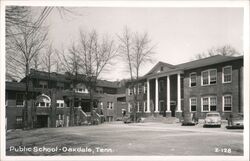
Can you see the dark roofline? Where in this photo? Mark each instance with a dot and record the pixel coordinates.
(227, 59)
(181, 67)
(66, 78)
(157, 64)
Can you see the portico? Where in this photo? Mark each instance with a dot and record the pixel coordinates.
(169, 95)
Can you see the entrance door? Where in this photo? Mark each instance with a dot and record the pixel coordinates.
(162, 108)
(42, 121)
(172, 109)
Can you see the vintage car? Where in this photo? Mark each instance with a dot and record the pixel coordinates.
(127, 120)
(188, 120)
(212, 119)
(236, 122)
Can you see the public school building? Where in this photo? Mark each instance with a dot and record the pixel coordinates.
(210, 84)
(52, 96)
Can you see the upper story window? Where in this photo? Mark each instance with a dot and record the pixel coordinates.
(110, 105)
(60, 85)
(130, 91)
(193, 79)
(227, 74)
(139, 88)
(209, 77)
(43, 84)
(43, 101)
(161, 68)
(193, 104)
(227, 103)
(213, 76)
(81, 88)
(59, 103)
(20, 99)
(209, 103)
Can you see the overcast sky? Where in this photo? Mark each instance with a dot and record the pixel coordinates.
(179, 33)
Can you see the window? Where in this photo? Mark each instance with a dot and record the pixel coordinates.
(20, 99)
(139, 106)
(101, 105)
(129, 106)
(193, 104)
(59, 103)
(110, 105)
(213, 103)
(193, 79)
(43, 84)
(161, 68)
(42, 104)
(139, 89)
(130, 91)
(213, 76)
(59, 116)
(19, 121)
(227, 74)
(209, 77)
(205, 104)
(204, 76)
(227, 103)
(209, 103)
(60, 85)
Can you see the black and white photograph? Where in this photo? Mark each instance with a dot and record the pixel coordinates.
(124, 80)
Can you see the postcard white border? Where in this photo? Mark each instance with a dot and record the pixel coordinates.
(222, 3)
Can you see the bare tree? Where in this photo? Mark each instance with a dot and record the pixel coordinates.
(225, 50)
(70, 63)
(48, 61)
(96, 55)
(137, 51)
(24, 48)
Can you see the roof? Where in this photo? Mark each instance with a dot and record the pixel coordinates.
(66, 78)
(160, 63)
(192, 64)
(104, 83)
(16, 86)
(207, 61)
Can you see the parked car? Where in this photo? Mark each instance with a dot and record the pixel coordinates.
(188, 120)
(127, 120)
(237, 122)
(213, 119)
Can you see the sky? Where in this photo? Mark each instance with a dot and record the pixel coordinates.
(178, 33)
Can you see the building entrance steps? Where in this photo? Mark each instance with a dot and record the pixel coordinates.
(167, 120)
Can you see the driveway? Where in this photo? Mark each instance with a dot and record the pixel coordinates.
(126, 139)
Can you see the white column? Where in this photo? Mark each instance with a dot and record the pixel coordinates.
(156, 95)
(168, 94)
(179, 92)
(148, 96)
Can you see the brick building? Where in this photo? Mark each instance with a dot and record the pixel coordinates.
(51, 96)
(210, 84)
